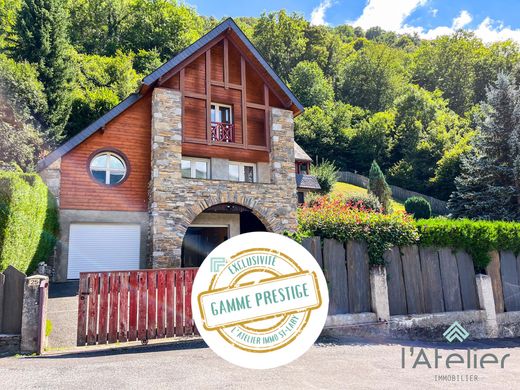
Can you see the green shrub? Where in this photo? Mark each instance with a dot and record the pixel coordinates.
(330, 217)
(327, 175)
(477, 238)
(419, 207)
(28, 221)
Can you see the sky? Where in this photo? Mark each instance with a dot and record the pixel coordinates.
(491, 20)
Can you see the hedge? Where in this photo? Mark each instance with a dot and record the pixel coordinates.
(28, 221)
(477, 238)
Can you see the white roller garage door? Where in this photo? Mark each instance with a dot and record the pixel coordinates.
(103, 247)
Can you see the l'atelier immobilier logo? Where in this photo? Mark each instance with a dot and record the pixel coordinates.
(470, 359)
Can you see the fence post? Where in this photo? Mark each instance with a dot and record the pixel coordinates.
(32, 319)
(379, 293)
(487, 303)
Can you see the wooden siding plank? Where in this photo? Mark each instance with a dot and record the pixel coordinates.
(468, 283)
(188, 284)
(510, 286)
(93, 309)
(336, 274)
(179, 309)
(170, 303)
(450, 280)
(83, 295)
(103, 309)
(194, 273)
(432, 282)
(493, 271)
(133, 304)
(161, 299)
(141, 320)
(358, 274)
(151, 327)
(114, 306)
(396, 289)
(123, 308)
(313, 245)
(413, 279)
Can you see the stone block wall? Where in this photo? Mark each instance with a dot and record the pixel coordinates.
(174, 201)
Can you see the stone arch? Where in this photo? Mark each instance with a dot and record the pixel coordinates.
(265, 215)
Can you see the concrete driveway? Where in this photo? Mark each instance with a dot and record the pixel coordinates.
(333, 363)
(62, 312)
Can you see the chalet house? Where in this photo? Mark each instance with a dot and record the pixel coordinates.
(202, 152)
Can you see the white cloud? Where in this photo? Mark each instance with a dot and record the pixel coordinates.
(462, 20)
(434, 12)
(318, 13)
(488, 33)
(389, 15)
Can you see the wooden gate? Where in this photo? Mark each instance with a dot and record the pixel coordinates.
(120, 306)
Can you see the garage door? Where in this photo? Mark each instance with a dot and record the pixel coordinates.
(103, 247)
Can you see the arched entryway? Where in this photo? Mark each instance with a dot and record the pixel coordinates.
(213, 226)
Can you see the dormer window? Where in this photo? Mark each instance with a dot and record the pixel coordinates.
(222, 129)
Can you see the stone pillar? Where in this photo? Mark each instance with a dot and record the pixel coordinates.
(379, 293)
(487, 303)
(166, 173)
(283, 170)
(31, 313)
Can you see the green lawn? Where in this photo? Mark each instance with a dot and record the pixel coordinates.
(350, 189)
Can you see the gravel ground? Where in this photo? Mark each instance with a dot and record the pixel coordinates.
(332, 363)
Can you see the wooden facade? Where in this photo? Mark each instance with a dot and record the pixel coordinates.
(221, 73)
(128, 134)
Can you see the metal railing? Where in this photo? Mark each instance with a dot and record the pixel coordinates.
(222, 132)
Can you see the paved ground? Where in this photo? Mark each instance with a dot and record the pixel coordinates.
(333, 363)
(62, 312)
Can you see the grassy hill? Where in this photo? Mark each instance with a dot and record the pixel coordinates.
(350, 189)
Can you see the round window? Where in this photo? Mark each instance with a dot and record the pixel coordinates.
(108, 168)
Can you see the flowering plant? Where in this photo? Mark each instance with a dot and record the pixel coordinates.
(333, 217)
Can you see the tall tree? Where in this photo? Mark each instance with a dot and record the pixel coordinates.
(448, 63)
(489, 185)
(310, 85)
(373, 76)
(42, 39)
(281, 40)
(379, 188)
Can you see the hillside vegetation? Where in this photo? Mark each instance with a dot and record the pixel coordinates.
(410, 104)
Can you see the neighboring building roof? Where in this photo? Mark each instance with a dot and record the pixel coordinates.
(307, 182)
(299, 153)
(161, 71)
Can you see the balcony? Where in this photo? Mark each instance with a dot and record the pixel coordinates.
(222, 132)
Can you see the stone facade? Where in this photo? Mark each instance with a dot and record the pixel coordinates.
(51, 176)
(175, 202)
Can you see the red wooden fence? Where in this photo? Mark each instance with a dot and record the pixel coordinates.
(134, 305)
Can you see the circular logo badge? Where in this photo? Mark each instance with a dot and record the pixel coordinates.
(260, 300)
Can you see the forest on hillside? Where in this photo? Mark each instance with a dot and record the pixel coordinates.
(412, 105)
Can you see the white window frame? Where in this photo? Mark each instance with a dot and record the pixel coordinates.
(193, 167)
(107, 169)
(241, 165)
(217, 110)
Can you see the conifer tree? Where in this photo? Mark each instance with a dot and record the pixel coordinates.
(489, 184)
(378, 186)
(42, 39)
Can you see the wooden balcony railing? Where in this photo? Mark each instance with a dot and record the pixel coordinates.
(222, 132)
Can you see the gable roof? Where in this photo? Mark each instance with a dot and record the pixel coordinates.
(151, 79)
